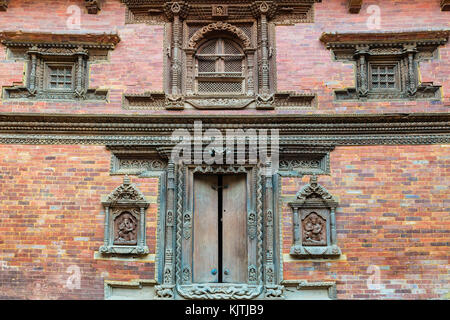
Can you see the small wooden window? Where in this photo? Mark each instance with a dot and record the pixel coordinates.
(60, 77)
(383, 77)
(220, 67)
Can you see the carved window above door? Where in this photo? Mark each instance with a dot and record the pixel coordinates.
(220, 56)
(220, 67)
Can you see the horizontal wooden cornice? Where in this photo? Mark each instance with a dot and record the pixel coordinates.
(363, 38)
(293, 129)
(19, 38)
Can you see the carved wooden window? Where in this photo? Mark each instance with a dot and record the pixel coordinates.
(57, 65)
(387, 64)
(220, 65)
(59, 76)
(56, 73)
(314, 223)
(383, 76)
(125, 221)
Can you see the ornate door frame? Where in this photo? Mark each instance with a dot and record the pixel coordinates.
(263, 276)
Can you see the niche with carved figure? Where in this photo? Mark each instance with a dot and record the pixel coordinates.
(314, 223)
(126, 227)
(125, 220)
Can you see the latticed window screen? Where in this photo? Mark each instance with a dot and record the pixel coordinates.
(220, 67)
(60, 77)
(383, 76)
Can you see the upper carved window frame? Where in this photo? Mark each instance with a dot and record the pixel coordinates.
(41, 50)
(189, 23)
(403, 50)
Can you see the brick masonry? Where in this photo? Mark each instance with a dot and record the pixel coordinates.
(394, 202)
(136, 65)
(52, 222)
(393, 217)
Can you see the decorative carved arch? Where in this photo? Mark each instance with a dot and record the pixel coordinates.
(313, 188)
(219, 26)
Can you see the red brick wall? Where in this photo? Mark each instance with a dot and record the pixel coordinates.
(51, 220)
(303, 63)
(394, 199)
(393, 216)
(134, 66)
(318, 73)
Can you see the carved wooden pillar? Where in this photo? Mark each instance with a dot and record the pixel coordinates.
(265, 51)
(296, 227)
(82, 54)
(189, 71)
(412, 81)
(176, 11)
(170, 222)
(32, 80)
(106, 235)
(142, 226)
(268, 205)
(263, 11)
(363, 86)
(333, 226)
(176, 61)
(250, 71)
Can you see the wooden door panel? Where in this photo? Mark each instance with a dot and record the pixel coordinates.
(205, 229)
(234, 229)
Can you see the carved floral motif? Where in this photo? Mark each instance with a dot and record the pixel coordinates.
(219, 291)
(313, 189)
(219, 26)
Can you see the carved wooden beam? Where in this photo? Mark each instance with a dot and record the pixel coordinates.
(354, 6)
(445, 5)
(92, 40)
(3, 5)
(92, 6)
(352, 39)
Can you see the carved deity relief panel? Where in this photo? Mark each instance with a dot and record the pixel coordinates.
(125, 220)
(314, 223)
(314, 231)
(125, 229)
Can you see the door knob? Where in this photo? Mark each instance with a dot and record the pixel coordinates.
(226, 272)
(214, 272)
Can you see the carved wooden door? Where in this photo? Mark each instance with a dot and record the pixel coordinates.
(205, 229)
(234, 228)
(219, 252)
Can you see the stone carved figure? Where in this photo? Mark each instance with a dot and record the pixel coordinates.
(314, 230)
(125, 229)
